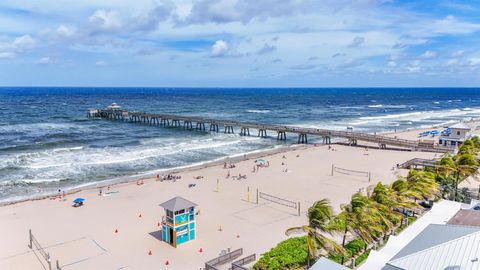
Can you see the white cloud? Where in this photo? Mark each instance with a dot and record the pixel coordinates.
(65, 31)
(227, 11)
(458, 53)
(474, 61)
(357, 41)
(219, 48)
(106, 19)
(428, 55)
(23, 43)
(266, 49)
(392, 64)
(100, 63)
(451, 25)
(7, 55)
(149, 21)
(45, 61)
(12, 48)
(452, 62)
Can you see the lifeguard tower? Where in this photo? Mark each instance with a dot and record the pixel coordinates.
(178, 224)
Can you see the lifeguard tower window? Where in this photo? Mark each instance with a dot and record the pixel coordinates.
(458, 132)
(180, 212)
(169, 214)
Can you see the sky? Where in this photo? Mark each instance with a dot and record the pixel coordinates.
(240, 43)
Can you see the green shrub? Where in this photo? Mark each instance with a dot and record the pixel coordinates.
(355, 246)
(289, 254)
(362, 257)
(335, 257)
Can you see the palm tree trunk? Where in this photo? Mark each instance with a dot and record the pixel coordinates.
(343, 242)
(456, 185)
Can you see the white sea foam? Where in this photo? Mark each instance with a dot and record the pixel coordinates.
(375, 106)
(258, 111)
(434, 116)
(68, 149)
(150, 149)
(37, 126)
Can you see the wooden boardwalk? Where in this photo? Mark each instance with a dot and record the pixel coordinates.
(416, 163)
(228, 126)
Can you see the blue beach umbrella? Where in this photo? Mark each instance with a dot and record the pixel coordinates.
(79, 200)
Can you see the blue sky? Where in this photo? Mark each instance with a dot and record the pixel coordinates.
(240, 43)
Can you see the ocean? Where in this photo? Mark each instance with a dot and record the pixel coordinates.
(48, 143)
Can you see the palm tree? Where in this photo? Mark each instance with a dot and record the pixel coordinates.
(393, 201)
(319, 216)
(423, 183)
(460, 167)
(362, 217)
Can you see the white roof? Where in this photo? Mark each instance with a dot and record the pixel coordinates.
(462, 253)
(440, 213)
(326, 264)
(461, 126)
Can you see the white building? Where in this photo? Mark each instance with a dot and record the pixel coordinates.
(114, 107)
(457, 134)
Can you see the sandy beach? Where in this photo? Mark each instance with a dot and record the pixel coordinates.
(85, 238)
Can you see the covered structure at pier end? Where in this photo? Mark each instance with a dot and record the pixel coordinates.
(178, 224)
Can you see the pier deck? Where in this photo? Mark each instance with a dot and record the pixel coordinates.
(199, 123)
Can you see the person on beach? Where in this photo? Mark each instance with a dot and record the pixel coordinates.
(228, 174)
(100, 192)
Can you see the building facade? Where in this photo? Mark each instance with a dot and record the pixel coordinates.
(178, 224)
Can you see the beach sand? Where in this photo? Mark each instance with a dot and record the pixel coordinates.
(85, 238)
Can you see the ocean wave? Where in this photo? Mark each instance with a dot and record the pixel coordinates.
(68, 149)
(434, 116)
(29, 181)
(375, 106)
(22, 127)
(79, 157)
(258, 111)
(390, 116)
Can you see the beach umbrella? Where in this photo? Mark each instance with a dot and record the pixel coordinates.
(79, 200)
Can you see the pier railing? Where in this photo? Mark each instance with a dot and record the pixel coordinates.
(326, 134)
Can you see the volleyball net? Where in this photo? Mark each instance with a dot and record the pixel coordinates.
(278, 200)
(345, 171)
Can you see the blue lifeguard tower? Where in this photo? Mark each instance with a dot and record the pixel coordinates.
(178, 224)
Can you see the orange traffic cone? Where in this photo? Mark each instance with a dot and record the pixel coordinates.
(201, 250)
(167, 263)
(150, 252)
(116, 230)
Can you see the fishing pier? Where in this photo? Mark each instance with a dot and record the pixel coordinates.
(114, 112)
